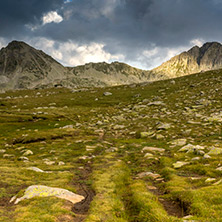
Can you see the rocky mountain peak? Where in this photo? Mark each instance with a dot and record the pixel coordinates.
(197, 59)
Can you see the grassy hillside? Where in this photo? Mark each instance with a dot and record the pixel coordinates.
(104, 148)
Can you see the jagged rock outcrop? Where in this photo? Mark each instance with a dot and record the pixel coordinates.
(197, 59)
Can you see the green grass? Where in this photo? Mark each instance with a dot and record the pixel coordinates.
(107, 132)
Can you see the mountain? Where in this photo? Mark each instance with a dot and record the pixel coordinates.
(104, 74)
(197, 59)
(24, 67)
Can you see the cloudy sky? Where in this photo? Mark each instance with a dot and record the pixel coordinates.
(142, 33)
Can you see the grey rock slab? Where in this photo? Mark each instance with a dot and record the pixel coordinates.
(44, 191)
(164, 126)
(156, 103)
(179, 142)
(149, 174)
(27, 153)
(179, 164)
(8, 156)
(146, 134)
(215, 151)
(36, 169)
(67, 127)
(107, 94)
(152, 149)
(189, 148)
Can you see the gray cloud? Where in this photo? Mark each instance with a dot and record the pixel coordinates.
(133, 28)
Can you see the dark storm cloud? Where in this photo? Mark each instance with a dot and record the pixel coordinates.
(126, 27)
(135, 24)
(16, 14)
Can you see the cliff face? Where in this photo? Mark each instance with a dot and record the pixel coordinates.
(197, 59)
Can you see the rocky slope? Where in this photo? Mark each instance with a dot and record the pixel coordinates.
(22, 66)
(116, 73)
(197, 59)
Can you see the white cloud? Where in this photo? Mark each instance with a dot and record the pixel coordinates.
(3, 43)
(81, 54)
(73, 54)
(52, 16)
(198, 42)
(67, 1)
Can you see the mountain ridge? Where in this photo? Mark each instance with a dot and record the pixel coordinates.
(24, 67)
(197, 59)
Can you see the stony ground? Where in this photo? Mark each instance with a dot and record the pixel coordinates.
(150, 152)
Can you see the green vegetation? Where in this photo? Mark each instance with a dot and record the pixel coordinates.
(104, 147)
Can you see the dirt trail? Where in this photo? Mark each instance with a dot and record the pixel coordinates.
(81, 209)
(173, 208)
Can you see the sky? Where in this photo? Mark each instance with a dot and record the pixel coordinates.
(141, 33)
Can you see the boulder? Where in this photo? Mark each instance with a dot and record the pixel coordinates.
(36, 169)
(152, 149)
(179, 142)
(27, 153)
(215, 151)
(189, 148)
(179, 164)
(149, 174)
(146, 134)
(44, 191)
(107, 94)
(163, 126)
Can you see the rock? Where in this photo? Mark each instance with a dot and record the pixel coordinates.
(159, 137)
(2, 151)
(219, 168)
(152, 149)
(148, 174)
(215, 151)
(67, 127)
(163, 126)
(189, 148)
(49, 163)
(84, 158)
(156, 103)
(8, 156)
(36, 169)
(61, 163)
(99, 123)
(149, 155)
(112, 149)
(206, 156)
(44, 191)
(210, 180)
(107, 94)
(195, 158)
(218, 182)
(27, 153)
(179, 164)
(23, 158)
(146, 134)
(118, 127)
(179, 142)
